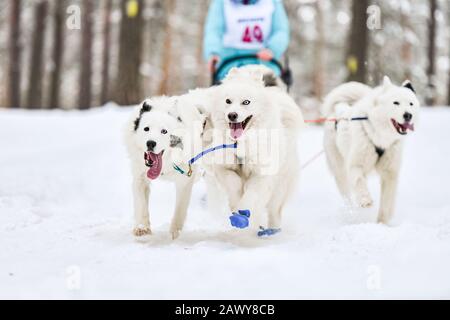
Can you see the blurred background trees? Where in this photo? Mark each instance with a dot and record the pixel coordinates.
(126, 50)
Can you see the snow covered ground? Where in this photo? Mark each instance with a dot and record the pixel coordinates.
(65, 224)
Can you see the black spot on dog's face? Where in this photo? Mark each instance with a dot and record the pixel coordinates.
(179, 119)
(145, 108)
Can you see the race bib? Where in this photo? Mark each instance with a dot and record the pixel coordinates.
(248, 26)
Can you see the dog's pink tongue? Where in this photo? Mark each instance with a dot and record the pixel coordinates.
(409, 126)
(155, 170)
(236, 130)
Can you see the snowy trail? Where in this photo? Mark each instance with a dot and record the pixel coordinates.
(65, 206)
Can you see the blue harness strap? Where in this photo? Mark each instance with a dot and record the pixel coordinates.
(200, 155)
(205, 152)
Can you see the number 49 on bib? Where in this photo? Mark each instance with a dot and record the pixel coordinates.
(254, 34)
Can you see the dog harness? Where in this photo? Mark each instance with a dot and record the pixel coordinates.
(200, 155)
(378, 150)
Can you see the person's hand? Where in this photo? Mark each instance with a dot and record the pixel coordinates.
(212, 62)
(265, 54)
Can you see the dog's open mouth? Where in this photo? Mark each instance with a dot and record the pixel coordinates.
(237, 128)
(403, 128)
(154, 162)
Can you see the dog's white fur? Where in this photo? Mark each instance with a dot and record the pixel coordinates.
(256, 179)
(351, 145)
(183, 119)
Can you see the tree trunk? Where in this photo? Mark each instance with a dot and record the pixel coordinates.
(14, 56)
(57, 54)
(359, 39)
(167, 49)
(85, 98)
(431, 70)
(319, 50)
(34, 99)
(202, 75)
(406, 49)
(128, 85)
(155, 31)
(448, 28)
(104, 97)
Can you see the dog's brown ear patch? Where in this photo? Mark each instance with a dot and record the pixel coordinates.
(146, 107)
(176, 142)
(270, 80)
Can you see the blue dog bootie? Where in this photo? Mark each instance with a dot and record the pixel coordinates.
(267, 232)
(240, 219)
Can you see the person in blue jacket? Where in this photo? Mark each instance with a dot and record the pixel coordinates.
(245, 27)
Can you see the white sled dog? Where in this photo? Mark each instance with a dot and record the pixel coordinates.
(355, 148)
(162, 132)
(264, 120)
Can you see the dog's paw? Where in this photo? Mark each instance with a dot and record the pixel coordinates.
(175, 232)
(365, 201)
(142, 231)
(386, 221)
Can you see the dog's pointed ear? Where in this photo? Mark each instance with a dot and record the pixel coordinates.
(270, 80)
(407, 84)
(173, 110)
(174, 106)
(145, 107)
(258, 75)
(233, 72)
(387, 84)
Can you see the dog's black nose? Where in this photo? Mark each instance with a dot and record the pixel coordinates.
(233, 116)
(407, 116)
(151, 145)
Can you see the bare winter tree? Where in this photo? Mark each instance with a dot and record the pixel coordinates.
(158, 50)
(128, 82)
(358, 43)
(167, 49)
(406, 49)
(34, 98)
(430, 98)
(154, 46)
(201, 66)
(85, 97)
(57, 54)
(319, 50)
(14, 55)
(104, 96)
(448, 35)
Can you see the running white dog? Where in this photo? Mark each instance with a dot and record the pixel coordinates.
(264, 121)
(161, 133)
(355, 148)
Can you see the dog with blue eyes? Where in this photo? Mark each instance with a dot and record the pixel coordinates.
(159, 134)
(368, 136)
(264, 123)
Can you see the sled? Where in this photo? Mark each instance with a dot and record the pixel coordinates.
(285, 71)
